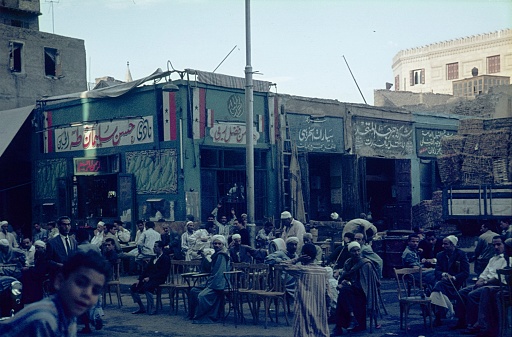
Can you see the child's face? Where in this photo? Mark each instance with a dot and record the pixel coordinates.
(80, 290)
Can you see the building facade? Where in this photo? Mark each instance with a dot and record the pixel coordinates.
(149, 152)
(432, 68)
(33, 63)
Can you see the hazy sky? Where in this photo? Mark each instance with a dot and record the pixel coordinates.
(297, 44)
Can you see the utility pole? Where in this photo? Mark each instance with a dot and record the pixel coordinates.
(249, 159)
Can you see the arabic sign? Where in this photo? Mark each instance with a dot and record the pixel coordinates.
(384, 138)
(96, 165)
(428, 141)
(316, 135)
(231, 133)
(106, 134)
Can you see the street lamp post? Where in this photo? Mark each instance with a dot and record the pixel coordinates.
(249, 160)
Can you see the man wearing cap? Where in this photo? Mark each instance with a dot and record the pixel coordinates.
(292, 227)
(452, 269)
(188, 240)
(5, 234)
(244, 253)
(358, 292)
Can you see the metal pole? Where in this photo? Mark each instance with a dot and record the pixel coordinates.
(249, 160)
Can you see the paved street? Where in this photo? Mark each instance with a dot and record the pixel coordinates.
(121, 323)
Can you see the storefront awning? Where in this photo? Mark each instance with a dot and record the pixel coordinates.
(10, 123)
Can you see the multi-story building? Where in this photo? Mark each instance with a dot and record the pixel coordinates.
(34, 64)
(434, 67)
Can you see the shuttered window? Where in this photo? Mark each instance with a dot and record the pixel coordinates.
(397, 83)
(452, 71)
(493, 64)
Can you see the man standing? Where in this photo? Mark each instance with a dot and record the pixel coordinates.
(484, 249)
(5, 234)
(154, 275)
(29, 250)
(61, 247)
(292, 227)
(188, 240)
(147, 241)
(473, 312)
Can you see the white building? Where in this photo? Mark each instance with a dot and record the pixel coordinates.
(432, 68)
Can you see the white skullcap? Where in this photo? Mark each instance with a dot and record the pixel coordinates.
(353, 244)
(286, 215)
(189, 222)
(40, 243)
(4, 242)
(453, 239)
(101, 223)
(334, 216)
(236, 236)
(293, 239)
(221, 238)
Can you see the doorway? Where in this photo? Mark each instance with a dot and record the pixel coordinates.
(97, 196)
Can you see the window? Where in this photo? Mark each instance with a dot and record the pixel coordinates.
(452, 71)
(493, 64)
(15, 54)
(52, 66)
(417, 77)
(19, 23)
(397, 83)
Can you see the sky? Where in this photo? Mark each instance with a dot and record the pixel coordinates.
(297, 44)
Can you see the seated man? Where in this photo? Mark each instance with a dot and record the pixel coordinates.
(123, 235)
(205, 303)
(452, 269)
(265, 235)
(154, 275)
(280, 256)
(368, 253)
(146, 242)
(411, 259)
(341, 254)
(202, 242)
(172, 242)
(358, 291)
(243, 253)
(308, 238)
(484, 248)
(11, 256)
(476, 304)
(428, 249)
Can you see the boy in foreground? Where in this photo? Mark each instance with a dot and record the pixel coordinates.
(78, 285)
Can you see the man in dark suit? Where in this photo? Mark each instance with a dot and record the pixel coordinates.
(154, 275)
(172, 242)
(61, 247)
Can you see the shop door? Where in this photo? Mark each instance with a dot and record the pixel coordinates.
(97, 196)
(403, 193)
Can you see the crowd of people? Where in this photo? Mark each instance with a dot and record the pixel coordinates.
(341, 288)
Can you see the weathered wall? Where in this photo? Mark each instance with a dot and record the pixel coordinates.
(23, 88)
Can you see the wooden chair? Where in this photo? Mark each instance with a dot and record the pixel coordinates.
(410, 292)
(277, 293)
(176, 284)
(114, 282)
(254, 280)
(232, 295)
(505, 299)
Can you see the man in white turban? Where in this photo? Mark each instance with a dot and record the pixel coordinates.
(452, 269)
(292, 227)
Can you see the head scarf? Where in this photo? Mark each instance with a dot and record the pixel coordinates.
(4, 242)
(236, 236)
(353, 244)
(40, 243)
(286, 215)
(189, 222)
(292, 239)
(277, 244)
(453, 239)
(221, 238)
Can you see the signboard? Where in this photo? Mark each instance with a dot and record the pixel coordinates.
(382, 138)
(231, 133)
(316, 134)
(428, 141)
(96, 165)
(104, 134)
